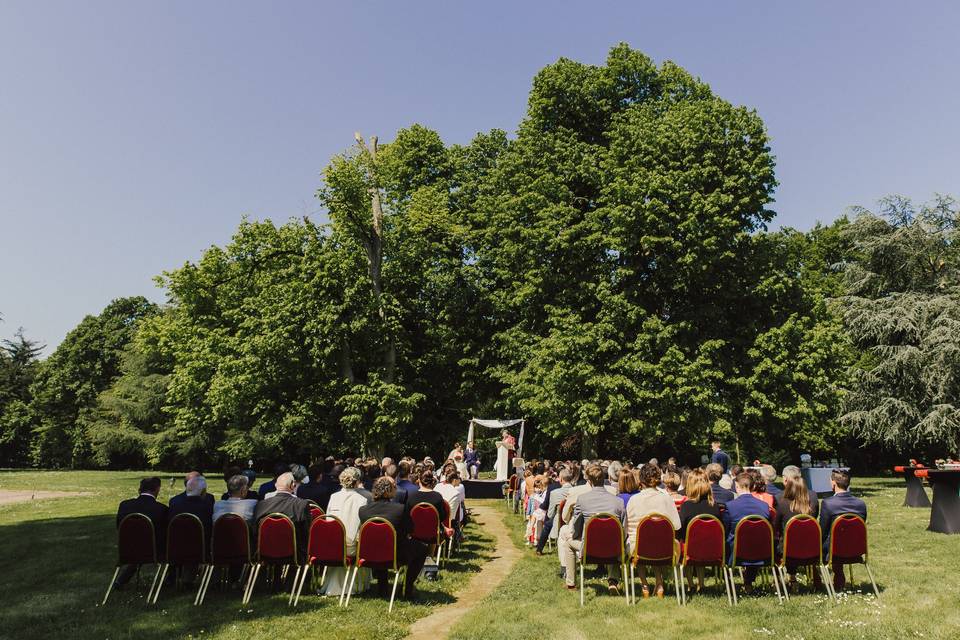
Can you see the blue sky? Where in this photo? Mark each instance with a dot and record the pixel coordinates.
(135, 134)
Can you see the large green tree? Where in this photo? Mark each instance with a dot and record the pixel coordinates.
(18, 367)
(902, 310)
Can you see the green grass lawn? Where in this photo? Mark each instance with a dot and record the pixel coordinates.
(918, 573)
(58, 555)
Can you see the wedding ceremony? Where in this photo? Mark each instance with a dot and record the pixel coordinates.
(445, 320)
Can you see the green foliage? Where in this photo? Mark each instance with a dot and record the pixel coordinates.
(18, 367)
(902, 310)
(63, 396)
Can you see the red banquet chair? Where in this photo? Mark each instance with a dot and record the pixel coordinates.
(229, 547)
(655, 547)
(603, 545)
(136, 544)
(276, 547)
(753, 546)
(704, 546)
(326, 547)
(447, 529)
(377, 549)
(315, 510)
(186, 547)
(848, 546)
(426, 527)
(802, 547)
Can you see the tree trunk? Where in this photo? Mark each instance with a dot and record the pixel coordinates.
(375, 257)
(588, 446)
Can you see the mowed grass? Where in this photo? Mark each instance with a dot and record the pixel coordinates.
(57, 556)
(918, 573)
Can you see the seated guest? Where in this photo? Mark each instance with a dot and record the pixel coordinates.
(386, 462)
(745, 504)
(627, 486)
(451, 493)
(269, 487)
(316, 491)
(671, 483)
(727, 481)
(285, 501)
(194, 500)
(554, 497)
(471, 458)
(770, 477)
(371, 471)
(793, 501)
(596, 500)
(759, 489)
(791, 473)
(720, 495)
(238, 501)
(842, 501)
(403, 475)
(699, 502)
(411, 553)
(180, 496)
(228, 473)
(393, 471)
(147, 504)
(649, 500)
(426, 493)
(345, 504)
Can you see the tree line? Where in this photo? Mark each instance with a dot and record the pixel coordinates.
(606, 272)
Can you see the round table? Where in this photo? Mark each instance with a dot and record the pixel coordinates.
(916, 496)
(945, 513)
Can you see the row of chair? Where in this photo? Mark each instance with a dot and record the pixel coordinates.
(705, 547)
(276, 549)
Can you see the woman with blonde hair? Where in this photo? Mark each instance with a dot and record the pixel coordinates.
(345, 505)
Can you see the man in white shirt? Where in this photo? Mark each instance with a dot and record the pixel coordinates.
(448, 489)
(237, 503)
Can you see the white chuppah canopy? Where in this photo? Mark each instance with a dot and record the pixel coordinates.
(500, 425)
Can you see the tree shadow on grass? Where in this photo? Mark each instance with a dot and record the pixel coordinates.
(56, 571)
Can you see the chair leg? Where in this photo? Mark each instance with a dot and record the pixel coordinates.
(116, 572)
(353, 579)
(206, 587)
(632, 586)
(626, 590)
(682, 587)
(581, 584)
(733, 586)
(872, 581)
(252, 582)
(776, 583)
(828, 581)
(676, 584)
(297, 574)
(204, 574)
(726, 585)
(343, 587)
(393, 593)
(163, 577)
(782, 572)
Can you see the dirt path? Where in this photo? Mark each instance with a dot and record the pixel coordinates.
(8, 496)
(437, 625)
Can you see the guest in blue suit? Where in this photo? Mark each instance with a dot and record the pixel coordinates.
(842, 501)
(719, 456)
(739, 508)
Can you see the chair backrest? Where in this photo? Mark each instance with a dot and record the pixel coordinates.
(377, 545)
(603, 539)
(802, 542)
(446, 514)
(426, 522)
(655, 538)
(327, 544)
(230, 543)
(848, 538)
(136, 540)
(276, 539)
(186, 540)
(705, 542)
(560, 507)
(753, 541)
(315, 511)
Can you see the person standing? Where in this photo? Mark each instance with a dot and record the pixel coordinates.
(719, 456)
(472, 460)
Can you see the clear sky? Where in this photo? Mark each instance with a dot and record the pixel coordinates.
(135, 134)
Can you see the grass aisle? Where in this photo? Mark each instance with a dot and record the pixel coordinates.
(58, 555)
(917, 572)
